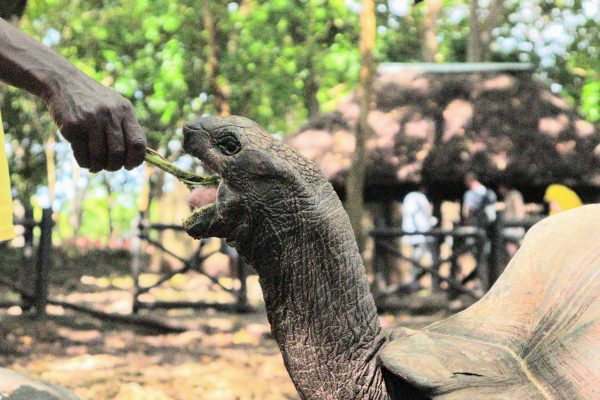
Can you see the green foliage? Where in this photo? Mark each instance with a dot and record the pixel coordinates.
(27, 128)
(583, 69)
(563, 39)
(590, 99)
(275, 58)
(133, 47)
(272, 49)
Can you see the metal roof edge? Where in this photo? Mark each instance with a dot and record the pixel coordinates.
(454, 67)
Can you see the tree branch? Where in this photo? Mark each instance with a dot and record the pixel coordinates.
(157, 326)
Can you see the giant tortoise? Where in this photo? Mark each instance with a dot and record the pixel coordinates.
(534, 335)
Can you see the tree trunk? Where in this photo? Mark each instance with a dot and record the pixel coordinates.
(474, 48)
(49, 151)
(109, 207)
(311, 83)
(433, 9)
(212, 65)
(51, 165)
(311, 88)
(356, 176)
(492, 21)
(76, 217)
(480, 32)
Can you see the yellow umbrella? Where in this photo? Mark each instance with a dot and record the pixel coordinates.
(561, 198)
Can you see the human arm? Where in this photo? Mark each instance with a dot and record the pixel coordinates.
(99, 123)
(517, 205)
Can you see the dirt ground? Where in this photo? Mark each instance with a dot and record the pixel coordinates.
(220, 356)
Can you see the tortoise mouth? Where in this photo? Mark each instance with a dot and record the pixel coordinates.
(195, 143)
(200, 199)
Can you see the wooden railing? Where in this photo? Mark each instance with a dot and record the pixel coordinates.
(487, 246)
(35, 264)
(193, 263)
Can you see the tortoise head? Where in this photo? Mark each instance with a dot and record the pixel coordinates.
(262, 179)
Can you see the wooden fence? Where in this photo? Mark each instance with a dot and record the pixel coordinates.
(35, 265)
(487, 246)
(194, 263)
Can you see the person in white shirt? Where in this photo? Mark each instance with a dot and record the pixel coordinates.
(417, 218)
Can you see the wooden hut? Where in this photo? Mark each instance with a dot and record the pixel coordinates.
(433, 122)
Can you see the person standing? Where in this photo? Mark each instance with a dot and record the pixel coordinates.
(417, 218)
(478, 213)
(514, 210)
(514, 206)
(479, 203)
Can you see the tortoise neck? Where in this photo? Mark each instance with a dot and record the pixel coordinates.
(321, 311)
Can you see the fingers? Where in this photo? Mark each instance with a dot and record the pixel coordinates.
(81, 152)
(135, 141)
(98, 150)
(116, 147)
(110, 146)
(104, 136)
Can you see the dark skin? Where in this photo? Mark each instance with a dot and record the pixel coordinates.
(278, 210)
(99, 123)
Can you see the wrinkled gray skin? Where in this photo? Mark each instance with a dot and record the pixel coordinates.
(285, 219)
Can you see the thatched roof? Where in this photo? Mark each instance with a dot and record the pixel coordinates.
(432, 124)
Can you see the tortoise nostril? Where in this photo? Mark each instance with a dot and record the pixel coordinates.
(194, 126)
(196, 139)
(189, 131)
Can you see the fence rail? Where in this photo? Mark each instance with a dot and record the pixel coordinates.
(194, 263)
(487, 246)
(34, 269)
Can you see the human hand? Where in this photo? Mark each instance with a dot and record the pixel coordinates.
(99, 123)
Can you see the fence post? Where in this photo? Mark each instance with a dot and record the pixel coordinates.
(27, 267)
(454, 265)
(242, 294)
(43, 262)
(435, 257)
(379, 260)
(136, 250)
(483, 266)
(497, 243)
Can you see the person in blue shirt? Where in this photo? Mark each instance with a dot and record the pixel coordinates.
(479, 203)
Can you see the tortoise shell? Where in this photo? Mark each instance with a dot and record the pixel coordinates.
(15, 386)
(534, 335)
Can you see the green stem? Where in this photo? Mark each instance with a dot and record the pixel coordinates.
(190, 179)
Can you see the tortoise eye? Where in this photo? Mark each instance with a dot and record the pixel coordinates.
(229, 145)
